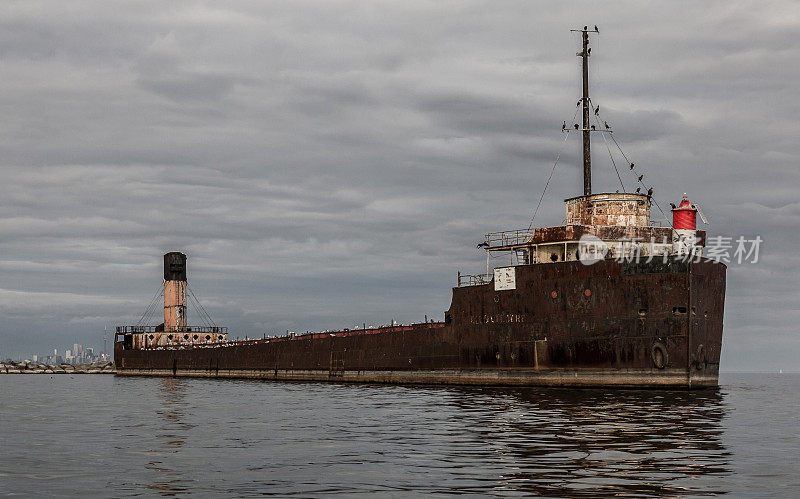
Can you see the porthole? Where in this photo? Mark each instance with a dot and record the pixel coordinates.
(554, 294)
(588, 292)
(208, 337)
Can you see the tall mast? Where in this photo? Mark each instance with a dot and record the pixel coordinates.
(587, 145)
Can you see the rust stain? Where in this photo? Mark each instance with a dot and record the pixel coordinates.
(518, 339)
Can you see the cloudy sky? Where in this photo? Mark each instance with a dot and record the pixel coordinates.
(325, 164)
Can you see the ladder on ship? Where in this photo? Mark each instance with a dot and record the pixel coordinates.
(336, 367)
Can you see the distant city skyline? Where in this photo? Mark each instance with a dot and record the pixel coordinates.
(72, 354)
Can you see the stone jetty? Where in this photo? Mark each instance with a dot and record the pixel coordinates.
(28, 367)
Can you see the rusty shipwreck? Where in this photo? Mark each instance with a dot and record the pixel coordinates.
(608, 299)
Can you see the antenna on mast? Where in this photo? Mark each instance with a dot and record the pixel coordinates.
(587, 145)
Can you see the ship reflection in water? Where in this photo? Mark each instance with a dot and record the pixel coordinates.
(172, 430)
(315, 438)
(562, 442)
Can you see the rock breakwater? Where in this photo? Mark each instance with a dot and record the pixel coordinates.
(29, 367)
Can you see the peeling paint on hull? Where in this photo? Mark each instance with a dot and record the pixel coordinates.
(611, 324)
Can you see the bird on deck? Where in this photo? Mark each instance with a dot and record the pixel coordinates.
(673, 205)
(579, 102)
(640, 178)
(585, 28)
(564, 126)
(483, 245)
(595, 28)
(638, 190)
(596, 110)
(650, 192)
(631, 166)
(576, 126)
(589, 52)
(592, 127)
(606, 124)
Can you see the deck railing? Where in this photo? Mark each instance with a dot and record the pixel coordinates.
(157, 329)
(472, 280)
(397, 328)
(508, 237)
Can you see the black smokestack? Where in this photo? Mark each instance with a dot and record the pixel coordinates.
(175, 266)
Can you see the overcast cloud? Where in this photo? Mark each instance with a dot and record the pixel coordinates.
(325, 164)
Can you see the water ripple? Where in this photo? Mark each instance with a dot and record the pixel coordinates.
(100, 435)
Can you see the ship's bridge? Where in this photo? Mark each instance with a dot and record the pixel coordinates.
(619, 222)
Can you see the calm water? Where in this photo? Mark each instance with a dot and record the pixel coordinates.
(103, 435)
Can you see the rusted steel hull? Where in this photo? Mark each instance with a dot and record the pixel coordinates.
(566, 324)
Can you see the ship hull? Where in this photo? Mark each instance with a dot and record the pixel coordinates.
(579, 378)
(611, 324)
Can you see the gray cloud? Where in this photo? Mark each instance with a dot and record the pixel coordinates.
(332, 163)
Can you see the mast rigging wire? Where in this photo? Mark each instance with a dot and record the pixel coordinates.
(596, 111)
(148, 312)
(207, 315)
(204, 322)
(633, 168)
(560, 150)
